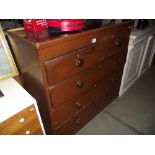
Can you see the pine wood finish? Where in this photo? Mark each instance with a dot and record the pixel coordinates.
(23, 123)
(71, 78)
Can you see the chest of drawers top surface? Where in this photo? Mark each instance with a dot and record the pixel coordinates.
(42, 39)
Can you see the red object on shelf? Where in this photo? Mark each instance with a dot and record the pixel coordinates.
(64, 25)
(35, 24)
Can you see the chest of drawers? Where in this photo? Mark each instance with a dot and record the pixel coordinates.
(72, 76)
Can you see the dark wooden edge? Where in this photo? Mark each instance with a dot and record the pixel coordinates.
(50, 42)
(1, 94)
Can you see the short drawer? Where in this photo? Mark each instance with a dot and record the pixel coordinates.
(60, 68)
(114, 45)
(24, 122)
(76, 84)
(112, 85)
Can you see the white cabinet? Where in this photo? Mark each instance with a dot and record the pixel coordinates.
(139, 57)
(131, 68)
(148, 55)
(19, 113)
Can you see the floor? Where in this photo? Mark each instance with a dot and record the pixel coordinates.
(131, 114)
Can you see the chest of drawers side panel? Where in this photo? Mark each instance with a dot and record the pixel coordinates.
(28, 63)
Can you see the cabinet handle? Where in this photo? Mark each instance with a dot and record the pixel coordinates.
(78, 121)
(109, 96)
(102, 59)
(116, 62)
(56, 123)
(112, 80)
(79, 84)
(96, 96)
(95, 85)
(22, 120)
(78, 104)
(31, 109)
(118, 43)
(27, 132)
(79, 62)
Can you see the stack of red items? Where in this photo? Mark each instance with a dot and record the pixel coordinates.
(35, 24)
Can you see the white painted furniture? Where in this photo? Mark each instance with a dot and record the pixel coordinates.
(19, 113)
(148, 55)
(139, 57)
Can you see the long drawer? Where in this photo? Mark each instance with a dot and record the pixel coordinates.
(24, 122)
(80, 119)
(67, 65)
(71, 87)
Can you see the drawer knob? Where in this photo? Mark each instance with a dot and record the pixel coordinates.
(31, 109)
(109, 96)
(95, 85)
(56, 124)
(96, 96)
(79, 62)
(22, 120)
(116, 62)
(78, 104)
(78, 121)
(79, 84)
(112, 80)
(118, 44)
(27, 132)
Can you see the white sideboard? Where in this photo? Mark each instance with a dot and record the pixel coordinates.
(139, 57)
(19, 113)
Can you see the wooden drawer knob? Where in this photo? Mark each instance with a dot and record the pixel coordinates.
(79, 84)
(118, 44)
(95, 85)
(109, 96)
(78, 121)
(79, 62)
(112, 80)
(56, 124)
(78, 104)
(116, 62)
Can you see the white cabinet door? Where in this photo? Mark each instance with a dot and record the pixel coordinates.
(148, 55)
(132, 66)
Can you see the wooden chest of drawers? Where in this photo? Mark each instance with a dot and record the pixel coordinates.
(72, 76)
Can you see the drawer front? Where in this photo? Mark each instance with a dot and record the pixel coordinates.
(64, 66)
(114, 45)
(112, 85)
(71, 87)
(24, 122)
(73, 106)
(79, 120)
